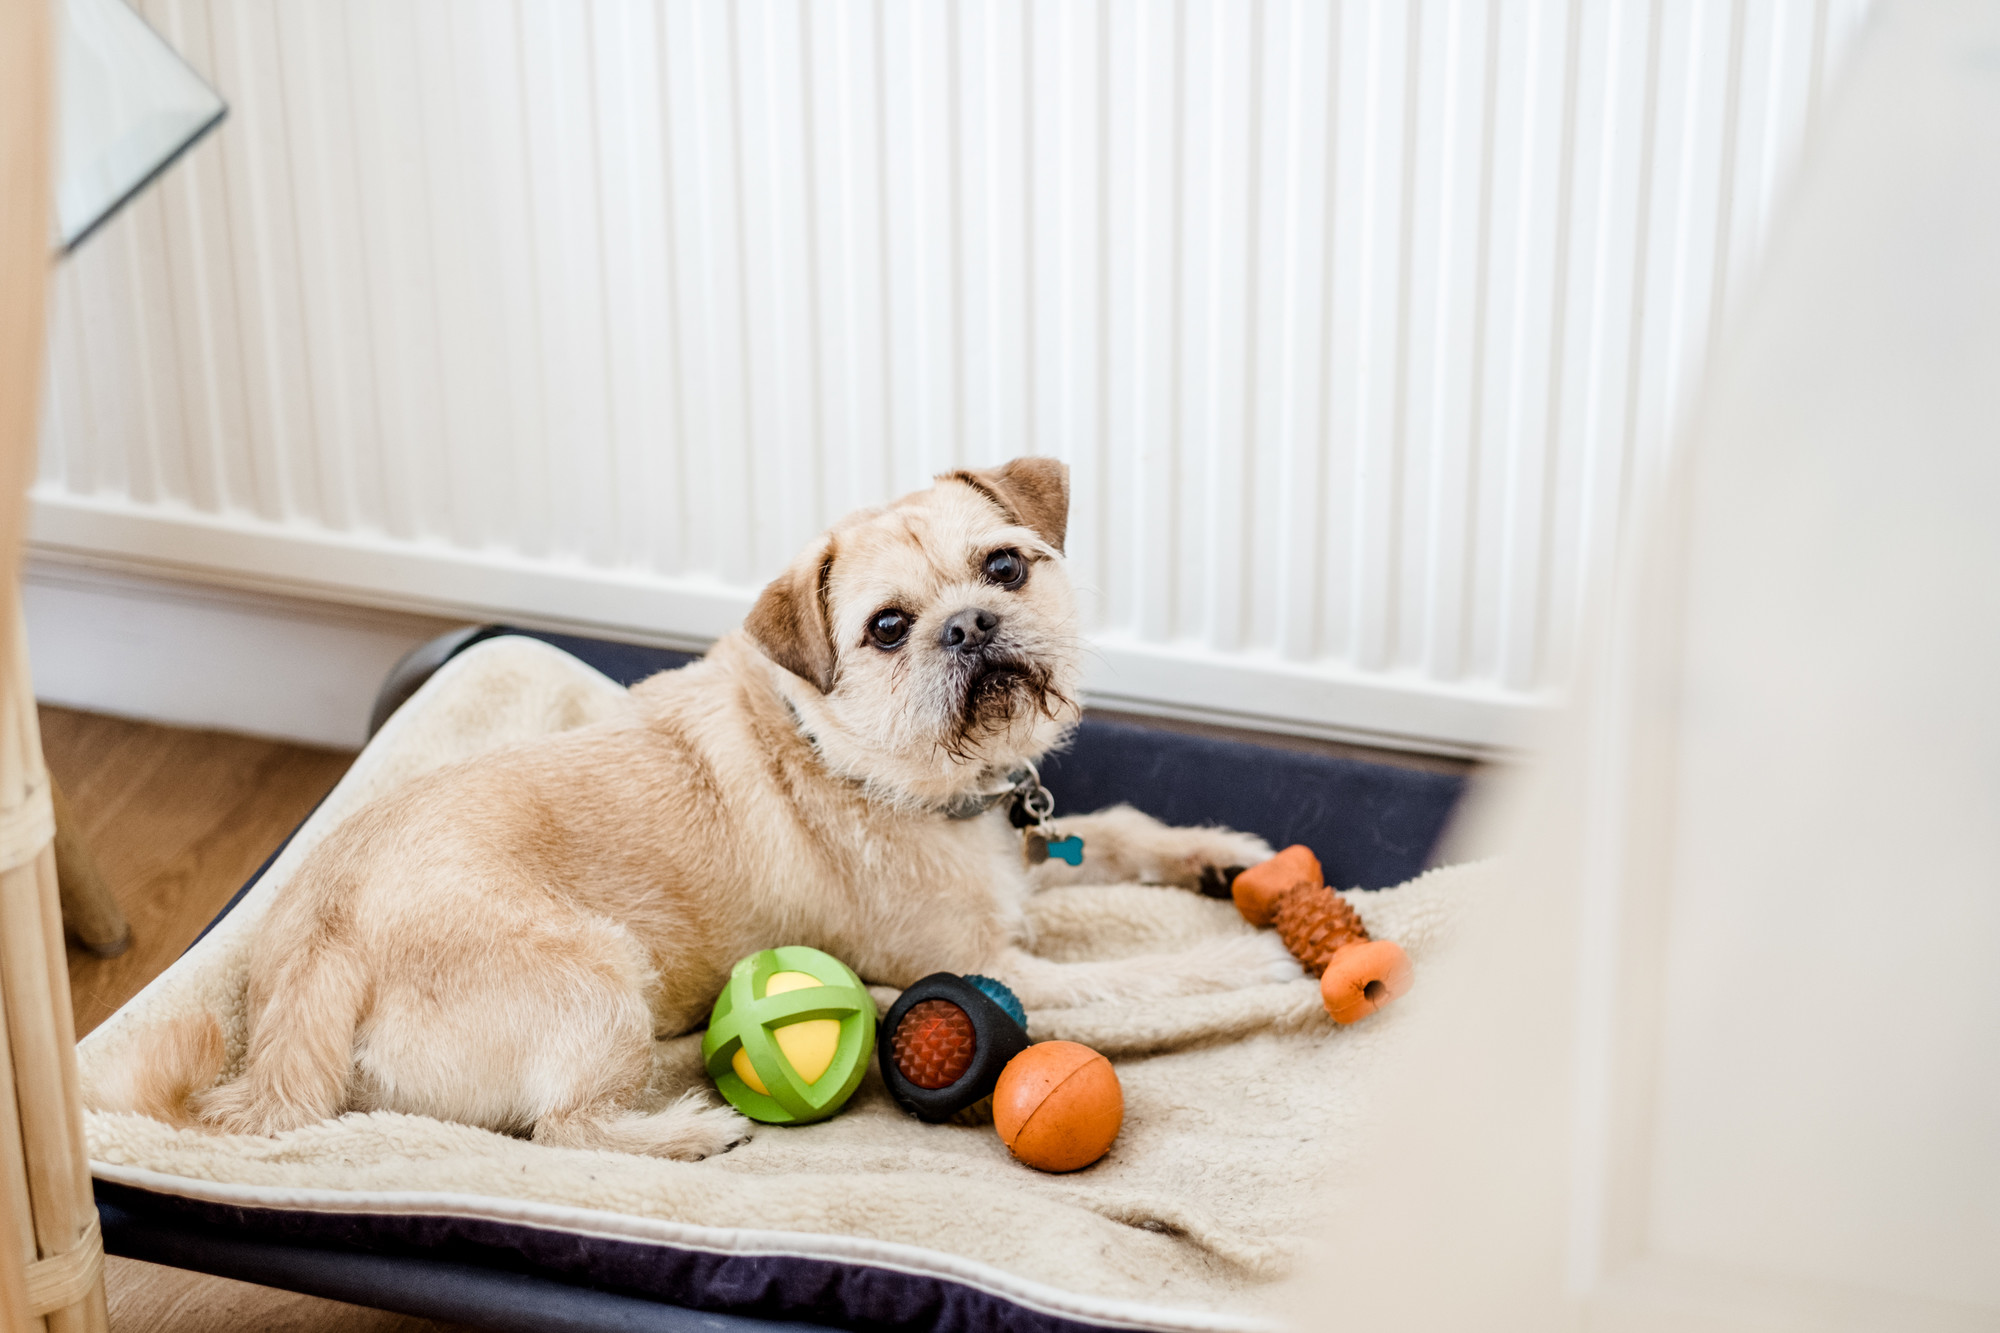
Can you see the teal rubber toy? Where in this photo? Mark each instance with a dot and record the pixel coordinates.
(790, 1036)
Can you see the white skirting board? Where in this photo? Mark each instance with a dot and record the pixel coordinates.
(265, 660)
(197, 656)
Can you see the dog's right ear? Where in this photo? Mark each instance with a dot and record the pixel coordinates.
(791, 623)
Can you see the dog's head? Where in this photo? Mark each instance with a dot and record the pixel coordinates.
(938, 635)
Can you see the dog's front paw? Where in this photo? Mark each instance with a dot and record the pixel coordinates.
(1273, 961)
(1248, 960)
(1212, 858)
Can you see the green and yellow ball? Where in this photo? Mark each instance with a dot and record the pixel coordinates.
(790, 1037)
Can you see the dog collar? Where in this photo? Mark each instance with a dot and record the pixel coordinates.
(1029, 803)
(1023, 782)
(1029, 810)
(969, 806)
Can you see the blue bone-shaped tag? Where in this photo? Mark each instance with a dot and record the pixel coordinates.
(1069, 849)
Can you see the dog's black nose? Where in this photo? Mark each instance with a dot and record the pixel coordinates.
(969, 629)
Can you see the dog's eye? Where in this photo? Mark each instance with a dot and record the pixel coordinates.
(1005, 568)
(889, 628)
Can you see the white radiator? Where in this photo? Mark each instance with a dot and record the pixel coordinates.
(1360, 324)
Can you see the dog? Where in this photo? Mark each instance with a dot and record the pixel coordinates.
(501, 941)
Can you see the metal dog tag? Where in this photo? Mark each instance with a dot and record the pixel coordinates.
(1033, 805)
(1068, 849)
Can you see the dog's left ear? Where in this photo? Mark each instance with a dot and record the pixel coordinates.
(1034, 492)
(791, 623)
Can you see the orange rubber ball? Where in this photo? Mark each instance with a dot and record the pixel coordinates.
(1058, 1106)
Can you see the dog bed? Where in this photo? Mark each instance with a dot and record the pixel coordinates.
(1240, 1106)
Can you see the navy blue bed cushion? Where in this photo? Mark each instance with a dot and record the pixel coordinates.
(1372, 826)
(504, 1276)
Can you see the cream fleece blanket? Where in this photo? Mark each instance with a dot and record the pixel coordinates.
(1240, 1107)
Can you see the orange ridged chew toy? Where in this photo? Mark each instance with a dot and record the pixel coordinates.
(1357, 975)
(1058, 1106)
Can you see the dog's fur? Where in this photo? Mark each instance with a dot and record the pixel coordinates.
(500, 942)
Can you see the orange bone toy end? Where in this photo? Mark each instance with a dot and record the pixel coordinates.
(1362, 977)
(1258, 889)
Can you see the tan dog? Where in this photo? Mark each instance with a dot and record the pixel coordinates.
(500, 942)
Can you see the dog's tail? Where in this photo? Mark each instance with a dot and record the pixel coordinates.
(300, 1059)
(177, 1059)
(301, 1043)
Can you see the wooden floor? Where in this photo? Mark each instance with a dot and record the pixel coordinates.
(178, 820)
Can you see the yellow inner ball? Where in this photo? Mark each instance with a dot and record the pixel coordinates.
(807, 1045)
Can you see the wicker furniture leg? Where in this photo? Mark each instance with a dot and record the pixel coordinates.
(51, 1256)
(90, 914)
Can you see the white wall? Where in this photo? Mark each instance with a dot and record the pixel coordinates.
(1722, 1059)
(1360, 323)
